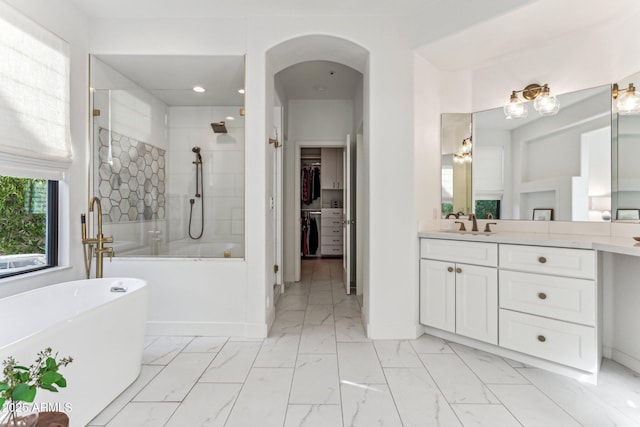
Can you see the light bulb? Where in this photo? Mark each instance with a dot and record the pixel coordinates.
(545, 104)
(515, 108)
(629, 101)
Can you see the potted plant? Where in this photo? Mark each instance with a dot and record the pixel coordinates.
(20, 383)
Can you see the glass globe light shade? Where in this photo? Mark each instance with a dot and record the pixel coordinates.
(515, 108)
(629, 101)
(545, 104)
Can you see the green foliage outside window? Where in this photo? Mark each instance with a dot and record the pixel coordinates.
(483, 207)
(447, 208)
(23, 215)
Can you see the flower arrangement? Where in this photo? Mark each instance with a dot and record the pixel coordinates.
(20, 383)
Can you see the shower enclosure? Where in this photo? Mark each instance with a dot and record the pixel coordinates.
(171, 184)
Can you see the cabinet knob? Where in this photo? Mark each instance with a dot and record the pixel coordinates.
(541, 338)
(450, 269)
(542, 295)
(458, 270)
(542, 260)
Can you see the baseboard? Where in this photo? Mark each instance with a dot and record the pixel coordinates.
(207, 329)
(625, 360)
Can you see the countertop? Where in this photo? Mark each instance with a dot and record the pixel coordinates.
(613, 244)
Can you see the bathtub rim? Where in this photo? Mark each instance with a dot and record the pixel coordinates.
(145, 284)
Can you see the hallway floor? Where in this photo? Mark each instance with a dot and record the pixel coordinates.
(317, 368)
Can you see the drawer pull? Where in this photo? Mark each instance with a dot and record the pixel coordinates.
(542, 260)
(542, 295)
(541, 338)
(450, 269)
(458, 270)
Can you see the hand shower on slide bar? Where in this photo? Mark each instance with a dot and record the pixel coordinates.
(199, 191)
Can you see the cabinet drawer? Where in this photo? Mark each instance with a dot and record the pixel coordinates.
(332, 240)
(332, 221)
(555, 340)
(331, 213)
(331, 250)
(331, 231)
(478, 253)
(559, 261)
(561, 298)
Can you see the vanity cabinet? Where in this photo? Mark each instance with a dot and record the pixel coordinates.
(458, 296)
(548, 304)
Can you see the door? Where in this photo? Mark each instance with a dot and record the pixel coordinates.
(346, 222)
(477, 302)
(438, 294)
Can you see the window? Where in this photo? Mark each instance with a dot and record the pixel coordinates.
(28, 225)
(488, 209)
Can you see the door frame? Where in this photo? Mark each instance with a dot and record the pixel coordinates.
(299, 145)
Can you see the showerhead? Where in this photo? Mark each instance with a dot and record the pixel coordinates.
(198, 156)
(219, 127)
(196, 150)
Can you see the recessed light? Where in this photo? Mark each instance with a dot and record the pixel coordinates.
(199, 89)
(230, 118)
(241, 91)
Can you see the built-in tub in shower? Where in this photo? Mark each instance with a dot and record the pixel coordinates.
(102, 330)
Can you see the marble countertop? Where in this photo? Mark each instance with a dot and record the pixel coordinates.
(613, 244)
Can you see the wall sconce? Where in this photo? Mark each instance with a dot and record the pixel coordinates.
(628, 101)
(543, 102)
(464, 154)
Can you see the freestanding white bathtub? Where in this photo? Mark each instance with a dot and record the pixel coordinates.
(102, 330)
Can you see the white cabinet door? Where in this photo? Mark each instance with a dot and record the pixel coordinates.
(329, 161)
(438, 294)
(477, 302)
(340, 162)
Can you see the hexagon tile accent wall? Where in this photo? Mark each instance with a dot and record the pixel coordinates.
(130, 178)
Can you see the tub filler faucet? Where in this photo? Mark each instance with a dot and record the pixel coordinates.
(95, 245)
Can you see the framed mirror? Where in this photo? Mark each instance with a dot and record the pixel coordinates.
(168, 153)
(625, 197)
(558, 162)
(456, 164)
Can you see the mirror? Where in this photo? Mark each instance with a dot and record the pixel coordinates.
(552, 164)
(167, 160)
(456, 170)
(625, 200)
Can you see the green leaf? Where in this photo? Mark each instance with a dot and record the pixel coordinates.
(49, 387)
(3, 387)
(24, 393)
(62, 382)
(51, 363)
(49, 378)
(2, 400)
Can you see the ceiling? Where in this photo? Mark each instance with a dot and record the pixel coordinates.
(319, 80)
(171, 78)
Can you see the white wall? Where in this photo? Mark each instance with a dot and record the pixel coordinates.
(64, 19)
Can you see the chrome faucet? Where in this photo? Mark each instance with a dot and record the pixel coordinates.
(95, 244)
(472, 217)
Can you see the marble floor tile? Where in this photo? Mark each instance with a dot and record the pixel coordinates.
(474, 415)
(577, 399)
(313, 416)
(207, 405)
(292, 302)
(618, 385)
(418, 399)
(315, 380)
(205, 345)
(278, 351)
(144, 414)
(263, 399)
(368, 405)
(430, 344)
(149, 339)
(346, 307)
(359, 364)
(232, 363)
(297, 288)
(531, 407)
(318, 339)
(147, 373)
(491, 369)
(320, 297)
(457, 382)
(350, 329)
(162, 350)
(176, 379)
(319, 315)
(396, 354)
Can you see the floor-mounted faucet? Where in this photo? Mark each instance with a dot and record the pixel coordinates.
(95, 245)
